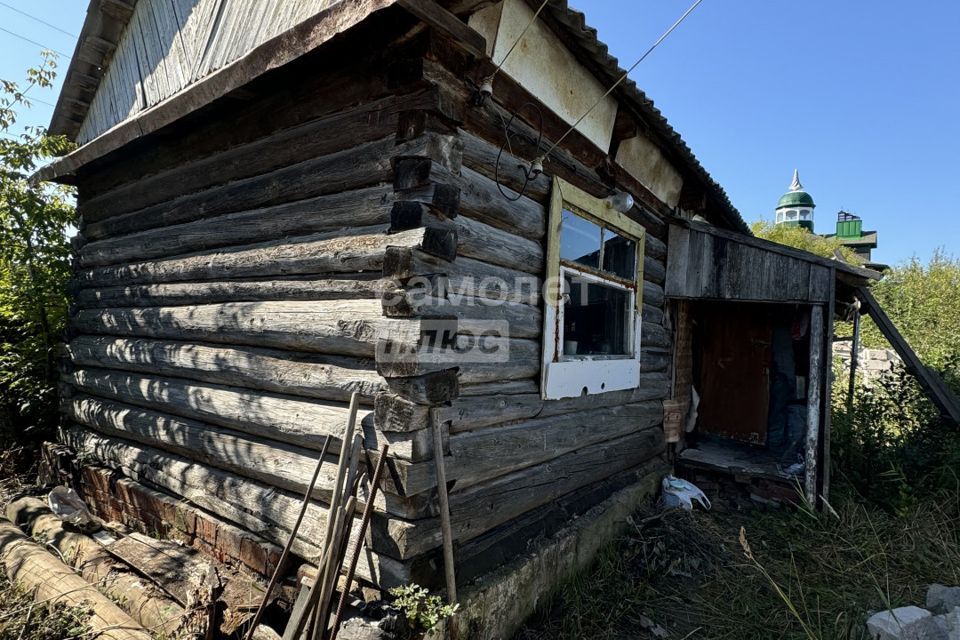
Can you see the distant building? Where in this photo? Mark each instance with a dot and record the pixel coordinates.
(795, 209)
(850, 232)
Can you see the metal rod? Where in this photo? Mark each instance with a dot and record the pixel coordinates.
(361, 538)
(447, 530)
(286, 549)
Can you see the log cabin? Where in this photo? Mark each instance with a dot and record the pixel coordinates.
(458, 209)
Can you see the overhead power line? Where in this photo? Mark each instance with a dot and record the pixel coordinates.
(34, 42)
(40, 20)
(625, 75)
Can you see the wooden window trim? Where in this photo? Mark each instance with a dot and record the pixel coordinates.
(564, 377)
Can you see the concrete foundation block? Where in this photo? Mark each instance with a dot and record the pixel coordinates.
(890, 624)
(942, 599)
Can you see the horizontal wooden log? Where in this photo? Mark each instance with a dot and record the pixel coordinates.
(475, 239)
(303, 422)
(363, 208)
(257, 507)
(351, 251)
(481, 155)
(502, 359)
(345, 287)
(474, 315)
(278, 464)
(481, 199)
(655, 248)
(652, 294)
(313, 376)
(340, 327)
(362, 166)
(654, 361)
(324, 377)
(368, 122)
(654, 270)
(469, 413)
(494, 548)
(652, 314)
(484, 454)
(489, 453)
(654, 336)
(485, 506)
(508, 388)
(462, 277)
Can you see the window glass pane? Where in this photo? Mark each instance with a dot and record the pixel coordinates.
(597, 319)
(579, 240)
(619, 255)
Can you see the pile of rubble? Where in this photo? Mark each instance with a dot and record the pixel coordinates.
(940, 620)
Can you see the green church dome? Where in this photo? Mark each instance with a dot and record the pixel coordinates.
(796, 199)
(796, 196)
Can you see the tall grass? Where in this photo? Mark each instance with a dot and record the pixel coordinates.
(891, 529)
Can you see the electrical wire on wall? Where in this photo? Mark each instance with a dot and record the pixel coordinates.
(531, 172)
(624, 76)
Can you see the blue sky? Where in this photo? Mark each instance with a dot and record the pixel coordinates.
(862, 97)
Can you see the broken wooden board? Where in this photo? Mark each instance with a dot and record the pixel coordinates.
(186, 575)
(736, 459)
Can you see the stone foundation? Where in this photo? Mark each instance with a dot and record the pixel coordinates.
(496, 605)
(871, 363)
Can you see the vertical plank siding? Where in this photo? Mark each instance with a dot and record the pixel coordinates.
(171, 44)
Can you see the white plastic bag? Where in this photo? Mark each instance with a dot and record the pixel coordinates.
(680, 493)
(69, 507)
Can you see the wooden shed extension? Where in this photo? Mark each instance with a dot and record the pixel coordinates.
(734, 296)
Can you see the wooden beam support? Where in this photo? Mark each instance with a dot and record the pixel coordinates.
(439, 18)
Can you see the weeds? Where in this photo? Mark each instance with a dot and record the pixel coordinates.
(807, 576)
(22, 619)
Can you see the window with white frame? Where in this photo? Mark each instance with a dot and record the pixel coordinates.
(594, 296)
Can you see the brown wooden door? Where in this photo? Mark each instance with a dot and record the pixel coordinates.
(735, 372)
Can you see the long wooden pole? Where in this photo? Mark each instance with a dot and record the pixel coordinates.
(332, 513)
(448, 566)
(854, 354)
(286, 549)
(361, 539)
(332, 569)
(814, 394)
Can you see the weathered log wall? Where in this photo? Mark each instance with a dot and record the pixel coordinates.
(236, 284)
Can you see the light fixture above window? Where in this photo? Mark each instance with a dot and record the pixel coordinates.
(620, 201)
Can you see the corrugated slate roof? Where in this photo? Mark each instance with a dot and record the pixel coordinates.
(575, 24)
(107, 18)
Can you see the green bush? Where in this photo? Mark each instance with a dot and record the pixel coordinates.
(891, 446)
(34, 262)
(923, 300)
(801, 238)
